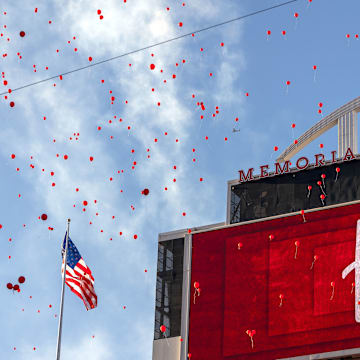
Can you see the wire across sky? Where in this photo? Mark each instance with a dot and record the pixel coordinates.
(151, 46)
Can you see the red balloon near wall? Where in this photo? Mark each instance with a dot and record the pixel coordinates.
(163, 328)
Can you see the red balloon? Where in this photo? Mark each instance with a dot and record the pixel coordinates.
(22, 33)
(152, 66)
(322, 196)
(43, 217)
(319, 183)
(196, 285)
(12, 104)
(337, 169)
(85, 202)
(9, 286)
(269, 32)
(163, 328)
(145, 192)
(21, 279)
(16, 287)
(309, 187)
(323, 176)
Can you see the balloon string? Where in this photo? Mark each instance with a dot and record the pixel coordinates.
(352, 288)
(312, 265)
(308, 195)
(336, 177)
(296, 249)
(280, 302)
(252, 342)
(166, 340)
(333, 292)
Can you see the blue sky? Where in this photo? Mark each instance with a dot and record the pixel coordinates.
(249, 62)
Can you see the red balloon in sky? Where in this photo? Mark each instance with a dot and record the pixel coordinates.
(9, 286)
(146, 192)
(43, 217)
(22, 33)
(16, 287)
(21, 279)
(12, 104)
(152, 66)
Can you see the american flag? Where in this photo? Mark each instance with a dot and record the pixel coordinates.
(78, 275)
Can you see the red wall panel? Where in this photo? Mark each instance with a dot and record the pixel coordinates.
(240, 289)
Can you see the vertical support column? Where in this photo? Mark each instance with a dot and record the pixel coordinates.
(186, 289)
(347, 133)
(228, 203)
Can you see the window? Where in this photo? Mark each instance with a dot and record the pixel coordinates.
(169, 288)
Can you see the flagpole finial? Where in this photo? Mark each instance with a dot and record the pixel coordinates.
(68, 220)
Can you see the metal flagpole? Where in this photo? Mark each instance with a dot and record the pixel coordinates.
(62, 295)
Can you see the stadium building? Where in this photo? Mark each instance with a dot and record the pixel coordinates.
(280, 278)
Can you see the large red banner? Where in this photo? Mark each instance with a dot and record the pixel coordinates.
(274, 289)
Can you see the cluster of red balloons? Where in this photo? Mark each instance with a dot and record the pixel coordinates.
(145, 192)
(16, 287)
